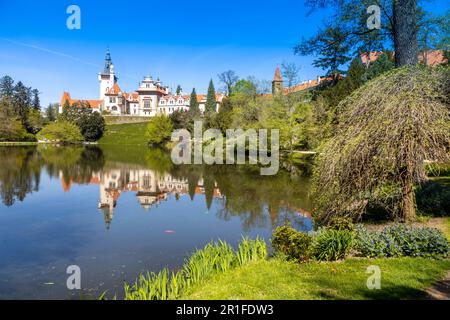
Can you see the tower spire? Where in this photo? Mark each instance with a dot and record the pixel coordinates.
(277, 82)
(108, 62)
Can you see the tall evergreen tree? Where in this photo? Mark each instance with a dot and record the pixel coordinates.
(194, 109)
(6, 86)
(35, 103)
(22, 100)
(210, 105)
(51, 111)
(179, 90)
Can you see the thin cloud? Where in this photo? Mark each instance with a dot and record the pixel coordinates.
(60, 54)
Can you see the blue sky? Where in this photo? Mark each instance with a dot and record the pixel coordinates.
(181, 42)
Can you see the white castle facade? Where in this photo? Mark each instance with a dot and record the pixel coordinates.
(151, 98)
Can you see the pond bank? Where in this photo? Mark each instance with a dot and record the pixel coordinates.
(401, 278)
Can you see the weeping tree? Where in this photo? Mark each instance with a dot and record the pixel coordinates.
(388, 129)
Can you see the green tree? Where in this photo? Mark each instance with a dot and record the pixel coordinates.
(245, 87)
(159, 130)
(51, 112)
(194, 110)
(289, 71)
(330, 45)
(379, 66)
(35, 121)
(35, 102)
(6, 86)
(21, 101)
(210, 104)
(61, 131)
(229, 79)
(398, 27)
(387, 130)
(92, 126)
(179, 90)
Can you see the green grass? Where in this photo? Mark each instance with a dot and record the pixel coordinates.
(401, 278)
(446, 228)
(124, 134)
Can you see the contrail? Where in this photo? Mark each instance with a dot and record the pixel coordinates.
(61, 54)
(51, 52)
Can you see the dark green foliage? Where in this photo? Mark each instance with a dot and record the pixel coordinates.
(383, 64)
(292, 244)
(330, 45)
(21, 100)
(6, 86)
(433, 198)
(91, 124)
(332, 244)
(179, 90)
(194, 110)
(210, 105)
(35, 101)
(401, 240)
(180, 119)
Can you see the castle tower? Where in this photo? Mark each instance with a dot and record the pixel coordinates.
(107, 78)
(277, 82)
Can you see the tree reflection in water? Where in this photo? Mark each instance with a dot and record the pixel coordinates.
(239, 190)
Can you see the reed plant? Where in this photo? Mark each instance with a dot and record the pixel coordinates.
(214, 258)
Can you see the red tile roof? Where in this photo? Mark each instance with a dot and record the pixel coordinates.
(430, 57)
(94, 104)
(277, 76)
(115, 90)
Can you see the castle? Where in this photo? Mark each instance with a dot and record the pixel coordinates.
(151, 98)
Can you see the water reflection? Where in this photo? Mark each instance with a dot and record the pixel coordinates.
(117, 211)
(151, 177)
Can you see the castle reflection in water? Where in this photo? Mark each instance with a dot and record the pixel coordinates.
(149, 186)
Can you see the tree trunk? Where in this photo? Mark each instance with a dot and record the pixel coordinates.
(405, 32)
(408, 208)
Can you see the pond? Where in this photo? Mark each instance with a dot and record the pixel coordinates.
(117, 211)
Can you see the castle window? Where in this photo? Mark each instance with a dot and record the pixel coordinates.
(147, 104)
(112, 99)
(180, 101)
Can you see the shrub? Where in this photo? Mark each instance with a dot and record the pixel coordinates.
(433, 198)
(291, 243)
(401, 240)
(341, 223)
(61, 131)
(92, 126)
(159, 130)
(375, 244)
(332, 244)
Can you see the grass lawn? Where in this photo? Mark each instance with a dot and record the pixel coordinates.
(447, 227)
(124, 134)
(401, 278)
